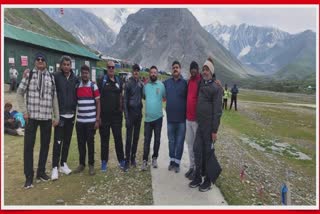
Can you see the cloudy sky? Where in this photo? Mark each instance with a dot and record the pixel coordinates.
(292, 20)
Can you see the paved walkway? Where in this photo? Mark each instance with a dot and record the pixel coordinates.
(170, 188)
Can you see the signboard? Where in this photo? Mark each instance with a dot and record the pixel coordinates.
(73, 64)
(87, 63)
(51, 69)
(11, 60)
(57, 66)
(93, 74)
(24, 60)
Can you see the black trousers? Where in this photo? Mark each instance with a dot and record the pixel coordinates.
(62, 139)
(133, 129)
(85, 135)
(233, 99)
(29, 141)
(115, 123)
(149, 127)
(225, 104)
(202, 149)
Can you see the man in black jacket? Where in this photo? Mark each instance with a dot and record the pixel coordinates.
(66, 82)
(209, 111)
(133, 113)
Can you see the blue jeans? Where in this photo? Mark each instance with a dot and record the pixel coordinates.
(176, 135)
(149, 127)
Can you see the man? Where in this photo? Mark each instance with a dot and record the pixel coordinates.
(226, 95)
(234, 92)
(66, 82)
(41, 101)
(110, 88)
(133, 112)
(191, 124)
(11, 125)
(154, 93)
(209, 111)
(176, 94)
(88, 118)
(13, 73)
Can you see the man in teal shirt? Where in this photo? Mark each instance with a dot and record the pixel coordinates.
(154, 93)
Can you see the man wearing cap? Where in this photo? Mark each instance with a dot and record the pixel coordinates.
(133, 93)
(41, 100)
(66, 82)
(13, 78)
(176, 94)
(208, 114)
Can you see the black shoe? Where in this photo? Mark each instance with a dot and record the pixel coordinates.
(205, 186)
(192, 176)
(91, 170)
(133, 163)
(171, 166)
(28, 183)
(43, 177)
(126, 166)
(190, 171)
(195, 182)
(177, 168)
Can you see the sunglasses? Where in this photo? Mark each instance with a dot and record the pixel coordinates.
(110, 67)
(40, 59)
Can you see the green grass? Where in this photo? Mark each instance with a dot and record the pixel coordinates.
(112, 188)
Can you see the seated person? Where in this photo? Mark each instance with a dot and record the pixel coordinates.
(11, 126)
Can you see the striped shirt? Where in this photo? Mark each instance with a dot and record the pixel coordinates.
(40, 96)
(86, 102)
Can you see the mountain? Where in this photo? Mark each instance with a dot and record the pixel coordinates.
(269, 50)
(160, 36)
(37, 21)
(86, 27)
(114, 17)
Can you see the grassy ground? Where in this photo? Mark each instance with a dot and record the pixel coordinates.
(265, 126)
(112, 188)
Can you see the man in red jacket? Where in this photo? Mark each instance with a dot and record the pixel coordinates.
(192, 97)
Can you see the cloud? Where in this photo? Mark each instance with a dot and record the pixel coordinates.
(292, 20)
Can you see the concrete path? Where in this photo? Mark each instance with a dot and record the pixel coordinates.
(170, 188)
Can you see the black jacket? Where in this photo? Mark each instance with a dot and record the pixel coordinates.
(133, 93)
(66, 92)
(209, 105)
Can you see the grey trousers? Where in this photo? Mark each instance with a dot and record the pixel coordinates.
(191, 131)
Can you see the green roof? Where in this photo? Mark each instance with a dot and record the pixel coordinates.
(23, 35)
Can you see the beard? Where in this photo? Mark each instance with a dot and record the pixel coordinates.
(153, 78)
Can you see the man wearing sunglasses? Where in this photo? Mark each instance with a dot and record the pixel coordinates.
(41, 101)
(111, 99)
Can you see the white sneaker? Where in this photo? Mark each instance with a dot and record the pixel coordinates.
(54, 174)
(65, 169)
(20, 131)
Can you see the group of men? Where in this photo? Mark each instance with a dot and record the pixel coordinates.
(193, 112)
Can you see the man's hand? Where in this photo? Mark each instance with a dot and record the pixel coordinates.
(26, 72)
(26, 117)
(214, 136)
(55, 123)
(10, 120)
(218, 82)
(97, 124)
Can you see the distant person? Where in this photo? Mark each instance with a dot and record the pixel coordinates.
(226, 95)
(176, 95)
(38, 88)
(88, 119)
(209, 111)
(191, 123)
(234, 93)
(110, 87)
(13, 73)
(11, 125)
(66, 81)
(154, 93)
(133, 94)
